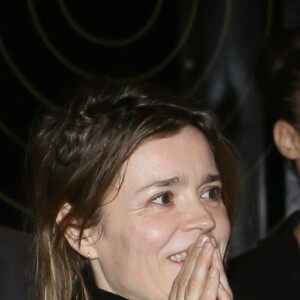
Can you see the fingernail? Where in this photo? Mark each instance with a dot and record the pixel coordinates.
(201, 240)
(206, 246)
(212, 272)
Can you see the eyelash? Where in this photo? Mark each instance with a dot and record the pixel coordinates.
(216, 198)
(166, 195)
(217, 194)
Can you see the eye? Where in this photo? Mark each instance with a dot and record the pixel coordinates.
(163, 199)
(214, 193)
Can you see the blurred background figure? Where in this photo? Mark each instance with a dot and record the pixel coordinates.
(271, 270)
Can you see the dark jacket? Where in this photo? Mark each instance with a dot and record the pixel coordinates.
(15, 263)
(271, 270)
(98, 294)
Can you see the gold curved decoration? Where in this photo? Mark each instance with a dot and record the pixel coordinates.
(22, 78)
(14, 204)
(216, 53)
(107, 42)
(172, 55)
(11, 135)
(52, 48)
(89, 75)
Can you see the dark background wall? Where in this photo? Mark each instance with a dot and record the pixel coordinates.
(204, 49)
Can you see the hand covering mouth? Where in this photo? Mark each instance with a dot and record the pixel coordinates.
(180, 257)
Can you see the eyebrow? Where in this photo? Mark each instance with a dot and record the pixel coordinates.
(179, 180)
(211, 178)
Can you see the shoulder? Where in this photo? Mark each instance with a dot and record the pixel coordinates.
(270, 268)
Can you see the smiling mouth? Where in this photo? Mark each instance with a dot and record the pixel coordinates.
(178, 258)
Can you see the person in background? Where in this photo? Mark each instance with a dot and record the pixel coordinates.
(271, 270)
(134, 199)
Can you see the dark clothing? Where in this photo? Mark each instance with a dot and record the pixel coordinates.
(271, 270)
(14, 258)
(99, 294)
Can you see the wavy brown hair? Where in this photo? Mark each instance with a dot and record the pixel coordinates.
(77, 152)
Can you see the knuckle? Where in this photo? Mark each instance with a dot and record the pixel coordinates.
(182, 283)
(209, 293)
(192, 287)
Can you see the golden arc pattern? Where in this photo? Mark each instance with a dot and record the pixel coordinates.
(107, 42)
(120, 42)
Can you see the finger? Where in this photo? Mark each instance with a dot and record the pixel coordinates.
(184, 275)
(210, 291)
(224, 294)
(213, 241)
(195, 279)
(178, 280)
(181, 281)
(217, 262)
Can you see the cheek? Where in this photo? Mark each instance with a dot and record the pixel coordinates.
(222, 231)
(151, 234)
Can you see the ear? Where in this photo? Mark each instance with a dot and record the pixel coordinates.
(85, 246)
(287, 140)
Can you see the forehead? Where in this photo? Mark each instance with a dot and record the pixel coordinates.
(185, 152)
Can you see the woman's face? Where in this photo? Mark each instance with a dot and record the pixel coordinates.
(170, 195)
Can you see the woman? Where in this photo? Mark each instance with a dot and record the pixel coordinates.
(134, 199)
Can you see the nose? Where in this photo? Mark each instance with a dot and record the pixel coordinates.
(197, 217)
